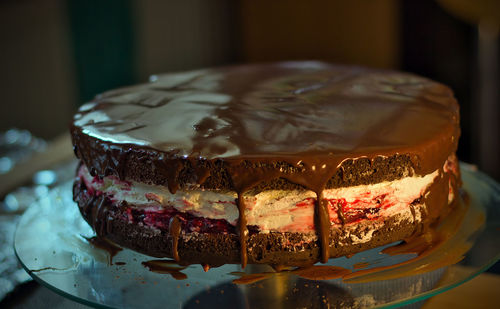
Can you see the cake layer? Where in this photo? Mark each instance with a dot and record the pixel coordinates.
(215, 242)
(270, 210)
(306, 122)
(131, 215)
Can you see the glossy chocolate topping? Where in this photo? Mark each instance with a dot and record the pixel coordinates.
(285, 110)
(312, 116)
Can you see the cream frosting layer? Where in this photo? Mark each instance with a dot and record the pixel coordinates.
(273, 210)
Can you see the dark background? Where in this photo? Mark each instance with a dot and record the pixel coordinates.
(57, 54)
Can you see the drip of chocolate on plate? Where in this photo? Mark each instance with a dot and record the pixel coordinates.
(310, 117)
(104, 244)
(166, 267)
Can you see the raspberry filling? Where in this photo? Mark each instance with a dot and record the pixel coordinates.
(213, 211)
(160, 219)
(352, 212)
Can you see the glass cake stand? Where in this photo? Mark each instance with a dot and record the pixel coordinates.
(51, 244)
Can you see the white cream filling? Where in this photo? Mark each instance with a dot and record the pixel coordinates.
(272, 210)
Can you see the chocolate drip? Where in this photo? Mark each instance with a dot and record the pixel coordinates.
(172, 172)
(121, 164)
(100, 218)
(322, 224)
(174, 229)
(201, 172)
(438, 195)
(242, 229)
(244, 181)
(321, 272)
(340, 213)
(299, 122)
(104, 244)
(96, 211)
(166, 267)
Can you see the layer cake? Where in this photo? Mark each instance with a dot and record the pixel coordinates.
(284, 163)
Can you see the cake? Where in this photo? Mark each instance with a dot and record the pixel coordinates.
(286, 163)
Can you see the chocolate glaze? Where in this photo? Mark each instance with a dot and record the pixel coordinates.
(95, 210)
(321, 272)
(242, 229)
(322, 224)
(107, 246)
(166, 267)
(174, 230)
(311, 116)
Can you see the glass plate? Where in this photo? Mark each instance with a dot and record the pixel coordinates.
(51, 244)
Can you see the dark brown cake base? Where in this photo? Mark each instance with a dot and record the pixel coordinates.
(291, 249)
(274, 248)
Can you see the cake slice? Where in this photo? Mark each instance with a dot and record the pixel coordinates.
(284, 163)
